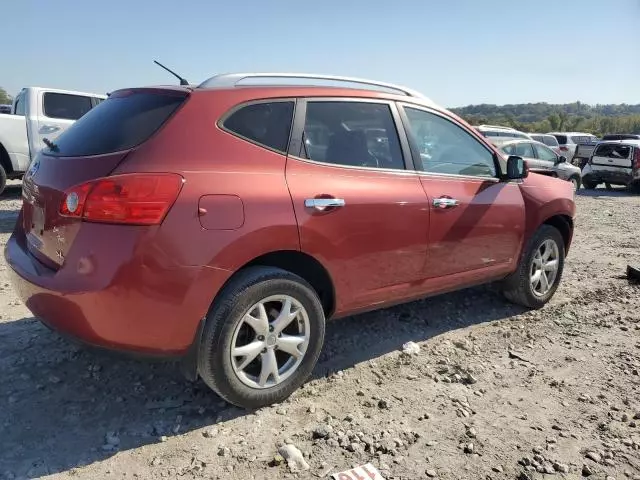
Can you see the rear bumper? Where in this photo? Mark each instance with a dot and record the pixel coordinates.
(621, 176)
(108, 296)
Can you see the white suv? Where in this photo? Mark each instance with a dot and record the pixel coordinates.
(614, 162)
(497, 131)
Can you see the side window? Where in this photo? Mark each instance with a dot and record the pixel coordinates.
(446, 148)
(545, 154)
(267, 124)
(509, 149)
(550, 141)
(524, 150)
(358, 134)
(65, 106)
(20, 106)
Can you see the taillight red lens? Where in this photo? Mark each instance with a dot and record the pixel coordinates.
(563, 148)
(133, 199)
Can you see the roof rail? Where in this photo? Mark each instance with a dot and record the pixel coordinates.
(502, 127)
(232, 80)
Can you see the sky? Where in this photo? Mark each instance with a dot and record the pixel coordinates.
(457, 52)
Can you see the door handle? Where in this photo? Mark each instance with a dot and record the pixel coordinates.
(322, 204)
(48, 129)
(445, 202)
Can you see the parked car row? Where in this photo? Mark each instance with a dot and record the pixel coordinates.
(224, 225)
(581, 158)
(545, 153)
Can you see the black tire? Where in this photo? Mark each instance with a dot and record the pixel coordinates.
(3, 179)
(589, 184)
(576, 180)
(608, 186)
(246, 289)
(517, 287)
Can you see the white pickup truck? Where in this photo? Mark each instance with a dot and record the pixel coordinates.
(37, 114)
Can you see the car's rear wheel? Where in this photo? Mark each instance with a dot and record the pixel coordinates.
(262, 337)
(539, 271)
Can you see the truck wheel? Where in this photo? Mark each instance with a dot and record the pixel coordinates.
(3, 179)
(589, 184)
(262, 337)
(539, 271)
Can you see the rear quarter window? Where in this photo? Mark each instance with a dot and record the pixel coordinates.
(121, 122)
(562, 139)
(550, 141)
(267, 124)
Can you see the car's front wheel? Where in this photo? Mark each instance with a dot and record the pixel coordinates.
(539, 271)
(262, 337)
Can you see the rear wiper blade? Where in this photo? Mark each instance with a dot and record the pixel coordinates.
(52, 146)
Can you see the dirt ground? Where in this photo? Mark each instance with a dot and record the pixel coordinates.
(494, 392)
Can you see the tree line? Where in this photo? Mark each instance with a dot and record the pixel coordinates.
(5, 98)
(546, 117)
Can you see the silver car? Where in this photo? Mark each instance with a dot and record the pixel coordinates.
(541, 159)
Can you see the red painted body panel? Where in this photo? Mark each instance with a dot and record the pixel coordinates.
(378, 240)
(485, 229)
(146, 288)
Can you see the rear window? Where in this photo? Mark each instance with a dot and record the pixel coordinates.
(65, 106)
(562, 139)
(582, 139)
(612, 151)
(550, 140)
(121, 122)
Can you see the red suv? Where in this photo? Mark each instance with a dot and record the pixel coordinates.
(224, 223)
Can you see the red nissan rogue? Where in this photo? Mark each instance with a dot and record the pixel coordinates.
(224, 223)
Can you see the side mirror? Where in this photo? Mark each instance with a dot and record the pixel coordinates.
(561, 159)
(516, 168)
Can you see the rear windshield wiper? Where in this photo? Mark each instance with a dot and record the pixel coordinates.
(52, 146)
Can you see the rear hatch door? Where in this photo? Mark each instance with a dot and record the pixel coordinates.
(613, 155)
(90, 149)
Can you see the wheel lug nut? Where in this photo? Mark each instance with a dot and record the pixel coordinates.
(271, 328)
(261, 337)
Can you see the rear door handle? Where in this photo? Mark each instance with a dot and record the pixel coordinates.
(445, 202)
(322, 204)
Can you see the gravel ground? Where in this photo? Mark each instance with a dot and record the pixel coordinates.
(488, 391)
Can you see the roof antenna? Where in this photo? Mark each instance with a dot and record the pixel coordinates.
(182, 80)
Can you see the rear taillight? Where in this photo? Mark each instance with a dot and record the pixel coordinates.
(564, 148)
(132, 199)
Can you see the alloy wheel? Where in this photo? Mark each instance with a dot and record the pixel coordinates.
(270, 341)
(544, 268)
